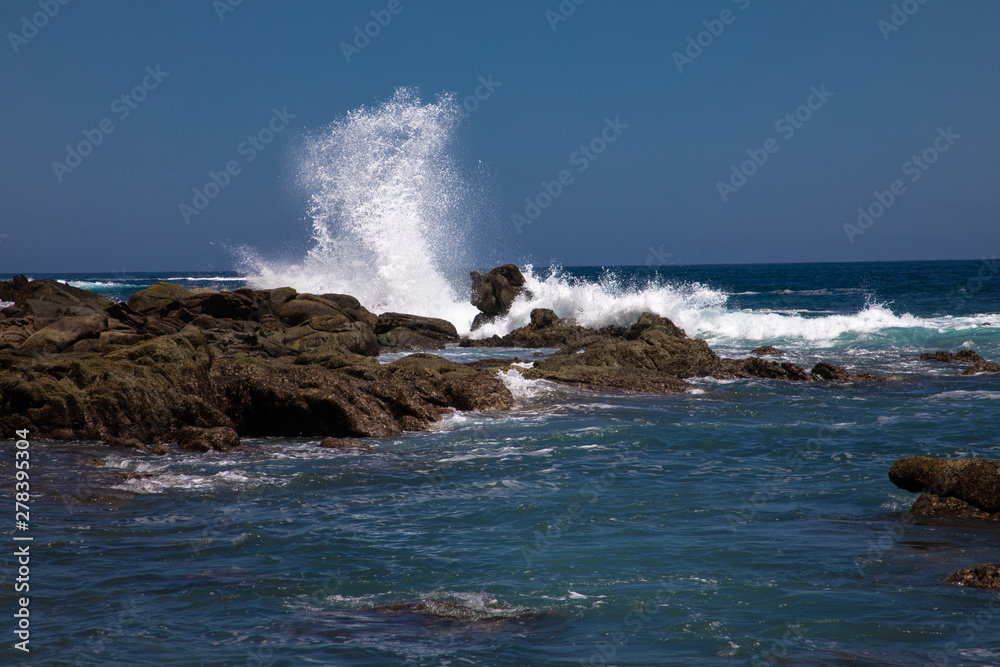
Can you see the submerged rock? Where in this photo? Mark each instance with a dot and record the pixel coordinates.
(982, 367)
(964, 356)
(985, 576)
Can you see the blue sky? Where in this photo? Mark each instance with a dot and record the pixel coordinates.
(209, 78)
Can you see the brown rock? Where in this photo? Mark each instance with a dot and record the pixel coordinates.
(414, 332)
(982, 367)
(65, 331)
(975, 481)
(494, 292)
(966, 356)
(932, 505)
(985, 576)
(767, 350)
(343, 443)
(220, 438)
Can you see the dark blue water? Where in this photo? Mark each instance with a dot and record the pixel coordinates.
(753, 523)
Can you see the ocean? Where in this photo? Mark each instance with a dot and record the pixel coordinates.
(748, 522)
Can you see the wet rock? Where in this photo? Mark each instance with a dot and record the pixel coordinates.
(10, 288)
(220, 438)
(985, 576)
(974, 481)
(962, 356)
(546, 329)
(982, 367)
(343, 443)
(627, 380)
(929, 504)
(767, 350)
(494, 292)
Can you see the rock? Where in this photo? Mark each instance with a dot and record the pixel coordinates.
(612, 379)
(985, 576)
(65, 331)
(649, 321)
(122, 312)
(157, 297)
(415, 332)
(343, 443)
(974, 481)
(965, 356)
(304, 307)
(220, 438)
(10, 288)
(982, 367)
(932, 505)
(493, 292)
(767, 350)
(546, 329)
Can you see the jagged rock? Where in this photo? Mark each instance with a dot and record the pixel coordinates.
(415, 332)
(975, 481)
(10, 288)
(985, 576)
(767, 350)
(546, 329)
(493, 292)
(982, 367)
(965, 356)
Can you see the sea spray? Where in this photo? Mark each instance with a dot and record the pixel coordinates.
(389, 210)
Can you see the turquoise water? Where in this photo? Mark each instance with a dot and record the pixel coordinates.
(753, 523)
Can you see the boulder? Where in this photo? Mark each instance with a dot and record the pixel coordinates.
(493, 292)
(974, 481)
(627, 380)
(157, 298)
(413, 332)
(304, 307)
(767, 350)
(985, 576)
(65, 331)
(546, 329)
(10, 288)
(928, 504)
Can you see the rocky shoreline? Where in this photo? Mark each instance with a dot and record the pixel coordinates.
(201, 368)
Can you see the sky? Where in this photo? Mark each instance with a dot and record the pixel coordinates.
(716, 131)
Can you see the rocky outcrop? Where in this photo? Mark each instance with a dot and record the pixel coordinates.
(201, 368)
(979, 365)
(767, 350)
(962, 356)
(493, 292)
(546, 329)
(985, 576)
(975, 482)
(982, 367)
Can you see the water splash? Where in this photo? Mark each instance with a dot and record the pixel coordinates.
(389, 210)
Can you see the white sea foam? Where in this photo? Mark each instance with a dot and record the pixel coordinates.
(389, 212)
(522, 388)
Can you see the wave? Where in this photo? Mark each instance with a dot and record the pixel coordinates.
(389, 212)
(701, 311)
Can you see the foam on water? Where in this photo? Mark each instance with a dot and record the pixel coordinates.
(698, 309)
(389, 212)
